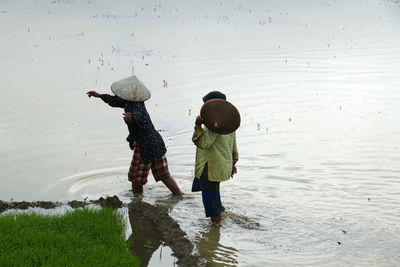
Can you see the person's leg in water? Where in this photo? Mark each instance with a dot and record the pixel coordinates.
(169, 183)
(138, 171)
(211, 197)
(212, 205)
(160, 171)
(172, 186)
(196, 186)
(137, 188)
(216, 219)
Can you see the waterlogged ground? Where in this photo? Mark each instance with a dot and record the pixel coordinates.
(317, 84)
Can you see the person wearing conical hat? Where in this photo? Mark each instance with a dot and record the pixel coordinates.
(216, 156)
(145, 141)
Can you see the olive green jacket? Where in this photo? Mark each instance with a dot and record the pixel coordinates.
(218, 150)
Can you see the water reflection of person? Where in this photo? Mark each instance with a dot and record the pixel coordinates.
(213, 251)
(146, 142)
(168, 204)
(216, 156)
(144, 239)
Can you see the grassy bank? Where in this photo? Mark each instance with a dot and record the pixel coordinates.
(83, 237)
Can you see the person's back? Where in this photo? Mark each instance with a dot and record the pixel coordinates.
(216, 150)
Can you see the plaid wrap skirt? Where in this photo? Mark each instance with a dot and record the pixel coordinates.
(139, 170)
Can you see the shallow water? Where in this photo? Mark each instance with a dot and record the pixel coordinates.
(317, 84)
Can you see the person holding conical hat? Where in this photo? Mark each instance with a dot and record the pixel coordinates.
(145, 141)
(216, 156)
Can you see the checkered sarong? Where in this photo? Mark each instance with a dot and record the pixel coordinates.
(139, 170)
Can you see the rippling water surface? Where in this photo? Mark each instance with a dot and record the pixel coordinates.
(317, 84)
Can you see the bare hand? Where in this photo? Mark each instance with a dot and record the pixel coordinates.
(199, 121)
(93, 93)
(127, 117)
(234, 170)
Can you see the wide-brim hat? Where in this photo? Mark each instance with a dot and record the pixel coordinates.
(220, 116)
(131, 89)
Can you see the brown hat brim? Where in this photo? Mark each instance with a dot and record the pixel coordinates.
(220, 116)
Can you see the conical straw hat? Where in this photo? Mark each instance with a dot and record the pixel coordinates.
(131, 89)
(220, 116)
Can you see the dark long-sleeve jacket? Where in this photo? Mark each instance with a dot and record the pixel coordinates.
(141, 128)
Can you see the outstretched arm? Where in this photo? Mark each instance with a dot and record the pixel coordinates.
(93, 93)
(113, 101)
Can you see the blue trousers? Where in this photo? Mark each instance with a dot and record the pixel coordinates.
(210, 194)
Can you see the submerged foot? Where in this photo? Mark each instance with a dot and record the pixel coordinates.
(137, 189)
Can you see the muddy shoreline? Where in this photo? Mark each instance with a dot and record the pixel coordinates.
(148, 223)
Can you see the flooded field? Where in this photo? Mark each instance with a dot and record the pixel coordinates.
(317, 84)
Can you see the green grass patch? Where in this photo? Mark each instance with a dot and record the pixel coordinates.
(83, 237)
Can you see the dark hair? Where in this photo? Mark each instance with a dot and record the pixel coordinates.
(212, 95)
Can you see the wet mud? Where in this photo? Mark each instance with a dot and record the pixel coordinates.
(112, 202)
(152, 227)
(23, 205)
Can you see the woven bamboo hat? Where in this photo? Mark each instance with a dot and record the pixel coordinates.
(220, 116)
(131, 89)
